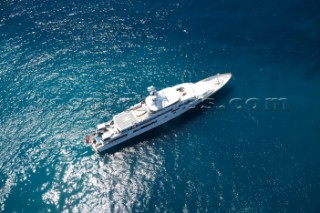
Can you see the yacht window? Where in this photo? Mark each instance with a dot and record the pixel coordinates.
(145, 126)
(118, 138)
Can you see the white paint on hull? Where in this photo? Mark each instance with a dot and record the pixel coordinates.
(200, 92)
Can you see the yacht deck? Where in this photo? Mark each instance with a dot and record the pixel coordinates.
(129, 118)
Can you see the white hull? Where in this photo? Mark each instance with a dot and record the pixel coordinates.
(132, 134)
(213, 84)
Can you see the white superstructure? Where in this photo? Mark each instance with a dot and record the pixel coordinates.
(158, 108)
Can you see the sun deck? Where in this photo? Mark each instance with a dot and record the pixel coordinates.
(129, 118)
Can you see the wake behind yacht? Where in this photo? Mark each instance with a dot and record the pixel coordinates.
(158, 108)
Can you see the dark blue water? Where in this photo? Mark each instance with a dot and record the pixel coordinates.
(67, 66)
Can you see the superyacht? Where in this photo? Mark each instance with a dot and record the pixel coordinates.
(158, 108)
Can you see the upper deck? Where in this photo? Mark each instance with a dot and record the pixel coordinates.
(162, 99)
(129, 118)
(155, 102)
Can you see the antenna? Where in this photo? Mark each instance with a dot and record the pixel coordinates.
(152, 91)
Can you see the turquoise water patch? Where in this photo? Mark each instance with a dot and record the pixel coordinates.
(65, 67)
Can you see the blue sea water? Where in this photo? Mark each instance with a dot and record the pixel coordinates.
(66, 66)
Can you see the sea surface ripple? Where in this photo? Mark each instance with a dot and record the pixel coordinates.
(66, 66)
